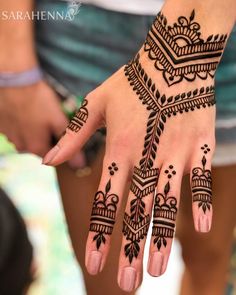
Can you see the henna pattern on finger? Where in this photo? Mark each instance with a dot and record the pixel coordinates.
(136, 224)
(80, 118)
(160, 108)
(180, 52)
(202, 183)
(104, 211)
(164, 213)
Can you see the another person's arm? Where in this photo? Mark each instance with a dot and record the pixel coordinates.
(30, 115)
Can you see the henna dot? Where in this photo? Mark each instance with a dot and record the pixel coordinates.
(116, 168)
(113, 164)
(169, 176)
(208, 150)
(109, 167)
(174, 172)
(205, 145)
(169, 115)
(186, 110)
(171, 166)
(174, 113)
(112, 172)
(171, 78)
(205, 152)
(166, 171)
(181, 111)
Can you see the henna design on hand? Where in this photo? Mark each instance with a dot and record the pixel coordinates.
(135, 225)
(180, 52)
(202, 183)
(161, 107)
(164, 214)
(80, 117)
(104, 211)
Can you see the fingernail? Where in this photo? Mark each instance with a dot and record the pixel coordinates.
(155, 264)
(94, 262)
(128, 279)
(50, 155)
(203, 224)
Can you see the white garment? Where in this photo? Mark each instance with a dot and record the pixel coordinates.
(143, 7)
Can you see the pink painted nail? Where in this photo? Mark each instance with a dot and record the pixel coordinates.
(50, 155)
(128, 279)
(94, 262)
(155, 264)
(203, 224)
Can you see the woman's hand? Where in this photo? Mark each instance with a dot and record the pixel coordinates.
(30, 116)
(160, 118)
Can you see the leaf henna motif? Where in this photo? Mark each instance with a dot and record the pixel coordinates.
(160, 108)
(104, 211)
(202, 183)
(164, 214)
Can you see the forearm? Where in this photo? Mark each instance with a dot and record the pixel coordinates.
(16, 37)
(186, 41)
(214, 16)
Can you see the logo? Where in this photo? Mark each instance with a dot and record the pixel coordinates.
(73, 8)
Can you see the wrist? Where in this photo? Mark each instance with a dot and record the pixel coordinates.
(21, 79)
(12, 60)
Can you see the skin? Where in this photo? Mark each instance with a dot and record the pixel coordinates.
(74, 190)
(32, 129)
(207, 256)
(109, 105)
(210, 257)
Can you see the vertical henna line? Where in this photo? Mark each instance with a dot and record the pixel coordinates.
(104, 211)
(164, 213)
(80, 118)
(202, 183)
(161, 107)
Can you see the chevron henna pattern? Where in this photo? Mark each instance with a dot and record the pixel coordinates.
(160, 108)
(135, 225)
(202, 183)
(164, 214)
(180, 52)
(104, 211)
(80, 117)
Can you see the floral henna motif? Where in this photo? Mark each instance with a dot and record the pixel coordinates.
(145, 176)
(202, 183)
(104, 211)
(180, 52)
(164, 215)
(80, 117)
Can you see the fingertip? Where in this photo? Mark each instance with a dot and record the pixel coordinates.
(155, 264)
(94, 262)
(48, 158)
(202, 223)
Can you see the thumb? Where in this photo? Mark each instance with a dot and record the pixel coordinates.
(79, 130)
